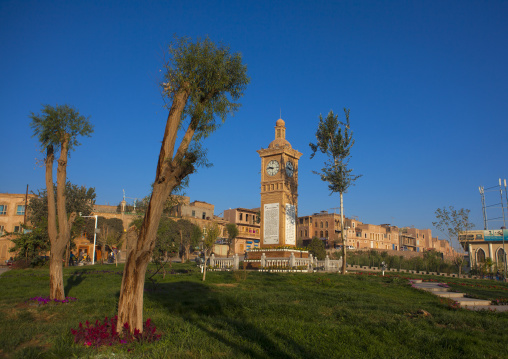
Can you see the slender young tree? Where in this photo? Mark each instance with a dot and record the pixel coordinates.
(57, 130)
(210, 235)
(232, 229)
(452, 223)
(202, 82)
(335, 140)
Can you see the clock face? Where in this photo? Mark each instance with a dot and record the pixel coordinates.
(272, 168)
(289, 169)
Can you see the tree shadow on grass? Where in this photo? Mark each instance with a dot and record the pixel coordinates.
(205, 309)
(73, 281)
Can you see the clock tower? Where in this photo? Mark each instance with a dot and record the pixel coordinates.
(279, 190)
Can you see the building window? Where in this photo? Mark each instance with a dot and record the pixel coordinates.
(193, 213)
(203, 215)
(16, 229)
(315, 233)
(321, 234)
(241, 216)
(20, 211)
(315, 224)
(301, 220)
(305, 233)
(480, 256)
(321, 224)
(365, 235)
(247, 217)
(326, 224)
(1, 230)
(353, 224)
(326, 234)
(3, 209)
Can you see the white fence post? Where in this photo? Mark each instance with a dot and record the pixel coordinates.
(212, 260)
(236, 262)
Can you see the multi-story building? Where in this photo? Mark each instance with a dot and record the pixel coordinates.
(422, 238)
(372, 236)
(322, 225)
(248, 223)
(12, 216)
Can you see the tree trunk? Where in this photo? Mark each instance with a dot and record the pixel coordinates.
(182, 248)
(187, 251)
(204, 265)
(170, 173)
(67, 254)
(56, 284)
(342, 234)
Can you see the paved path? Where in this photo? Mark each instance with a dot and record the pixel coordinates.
(442, 290)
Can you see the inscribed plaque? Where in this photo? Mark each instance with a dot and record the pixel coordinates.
(290, 224)
(271, 224)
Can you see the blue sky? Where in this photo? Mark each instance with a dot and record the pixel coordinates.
(426, 82)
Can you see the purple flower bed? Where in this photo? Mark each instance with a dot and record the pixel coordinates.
(46, 300)
(105, 333)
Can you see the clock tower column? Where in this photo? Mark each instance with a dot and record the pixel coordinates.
(279, 190)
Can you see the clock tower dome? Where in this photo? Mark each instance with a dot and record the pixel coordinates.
(279, 190)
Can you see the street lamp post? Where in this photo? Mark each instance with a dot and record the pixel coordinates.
(94, 235)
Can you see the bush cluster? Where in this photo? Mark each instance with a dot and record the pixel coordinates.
(430, 261)
(105, 333)
(46, 300)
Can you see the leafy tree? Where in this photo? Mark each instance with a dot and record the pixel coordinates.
(317, 248)
(232, 229)
(166, 246)
(30, 244)
(202, 81)
(452, 223)
(335, 140)
(210, 237)
(188, 237)
(78, 199)
(110, 232)
(57, 130)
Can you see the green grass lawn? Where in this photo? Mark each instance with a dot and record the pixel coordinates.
(254, 315)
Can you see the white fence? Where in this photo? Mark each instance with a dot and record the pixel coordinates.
(283, 263)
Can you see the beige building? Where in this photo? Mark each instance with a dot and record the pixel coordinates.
(483, 244)
(321, 225)
(372, 236)
(248, 223)
(12, 216)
